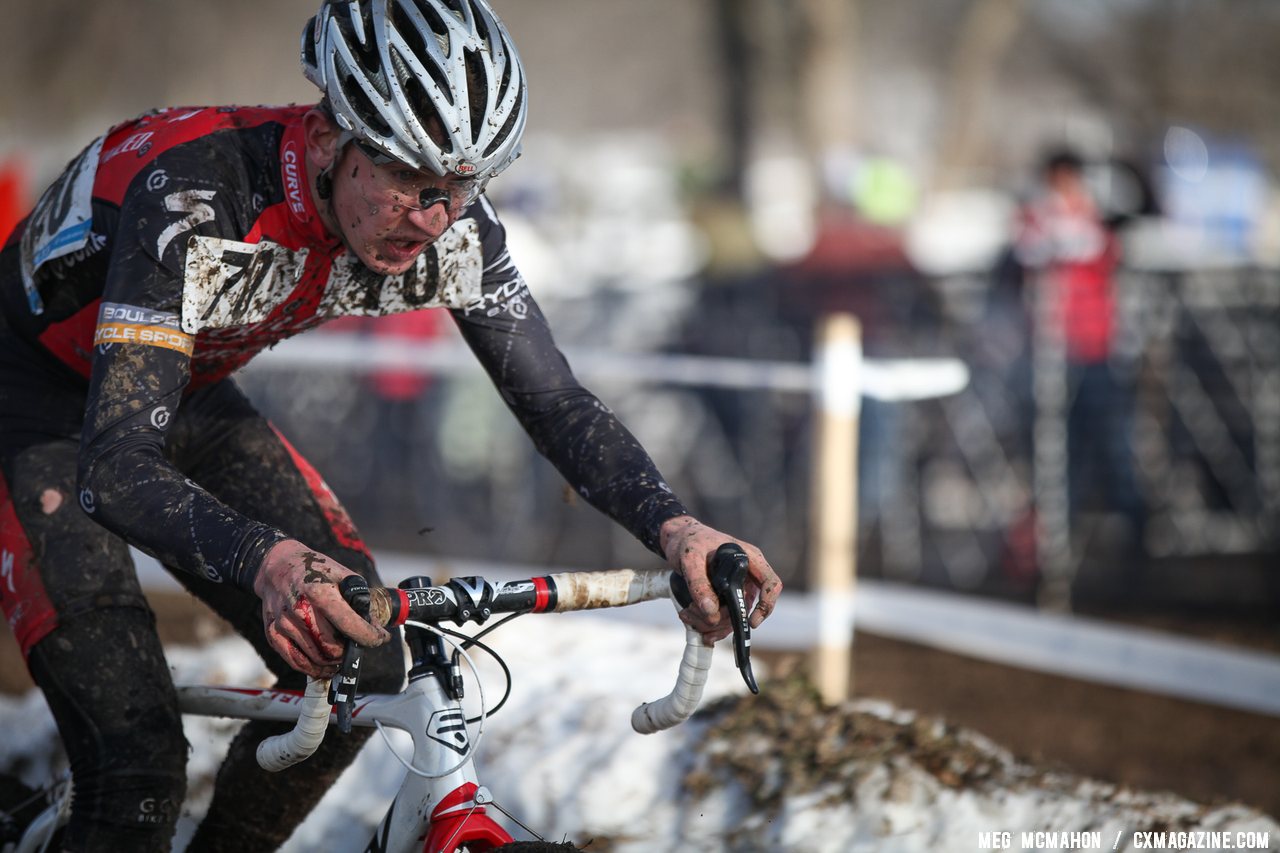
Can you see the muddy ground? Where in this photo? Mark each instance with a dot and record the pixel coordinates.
(1123, 736)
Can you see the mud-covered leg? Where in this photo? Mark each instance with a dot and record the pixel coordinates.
(118, 717)
(247, 465)
(91, 645)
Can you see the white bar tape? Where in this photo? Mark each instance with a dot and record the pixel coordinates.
(609, 588)
(678, 705)
(283, 751)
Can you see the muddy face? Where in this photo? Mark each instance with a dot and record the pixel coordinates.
(377, 222)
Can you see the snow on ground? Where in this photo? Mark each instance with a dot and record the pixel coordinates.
(776, 772)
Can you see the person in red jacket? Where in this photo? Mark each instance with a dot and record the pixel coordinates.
(1062, 234)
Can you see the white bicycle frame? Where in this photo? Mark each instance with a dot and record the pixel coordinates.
(36, 837)
(435, 722)
(431, 813)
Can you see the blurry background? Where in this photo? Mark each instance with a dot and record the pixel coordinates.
(712, 176)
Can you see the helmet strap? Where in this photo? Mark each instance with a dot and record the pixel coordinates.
(324, 189)
(324, 183)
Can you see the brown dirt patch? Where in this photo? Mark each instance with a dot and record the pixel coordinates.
(1127, 737)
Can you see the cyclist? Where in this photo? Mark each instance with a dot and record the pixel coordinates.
(173, 249)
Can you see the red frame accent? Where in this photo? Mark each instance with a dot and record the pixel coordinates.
(542, 594)
(258, 691)
(296, 694)
(473, 828)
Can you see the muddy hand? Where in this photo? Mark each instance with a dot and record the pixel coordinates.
(689, 546)
(303, 613)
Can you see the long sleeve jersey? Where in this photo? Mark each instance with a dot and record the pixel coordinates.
(179, 245)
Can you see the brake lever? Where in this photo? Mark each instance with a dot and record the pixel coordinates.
(728, 576)
(342, 688)
(729, 572)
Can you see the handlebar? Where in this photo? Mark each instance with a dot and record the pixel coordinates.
(475, 599)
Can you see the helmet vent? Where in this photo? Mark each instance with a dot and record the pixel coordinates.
(424, 109)
(362, 106)
(415, 39)
(507, 125)
(477, 93)
(506, 75)
(482, 30)
(436, 23)
(362, 47)
(309, 45)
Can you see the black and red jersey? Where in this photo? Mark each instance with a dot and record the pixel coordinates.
(177, 246)
(204, 215)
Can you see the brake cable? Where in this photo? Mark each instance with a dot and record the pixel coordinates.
(475, 641)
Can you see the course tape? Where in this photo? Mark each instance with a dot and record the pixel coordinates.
(884, 379)
(1071, 646)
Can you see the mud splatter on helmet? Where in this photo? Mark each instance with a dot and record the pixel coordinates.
(435, 84)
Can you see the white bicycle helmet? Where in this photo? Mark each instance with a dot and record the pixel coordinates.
(435, 84)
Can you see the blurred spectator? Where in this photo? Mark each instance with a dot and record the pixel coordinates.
(858, 267)
(1061, 234)
(396, 420)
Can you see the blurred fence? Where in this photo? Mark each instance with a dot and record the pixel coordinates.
(448, 471)
(285, 379)
(966, 492)
(1208, 428)
(1177, 460)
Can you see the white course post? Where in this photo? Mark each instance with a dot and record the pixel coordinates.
(834, 504)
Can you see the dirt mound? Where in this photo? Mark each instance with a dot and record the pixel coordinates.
(786, 743)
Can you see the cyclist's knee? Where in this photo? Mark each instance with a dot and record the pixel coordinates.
(126, 809)
(129, 789)
(105, 679)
